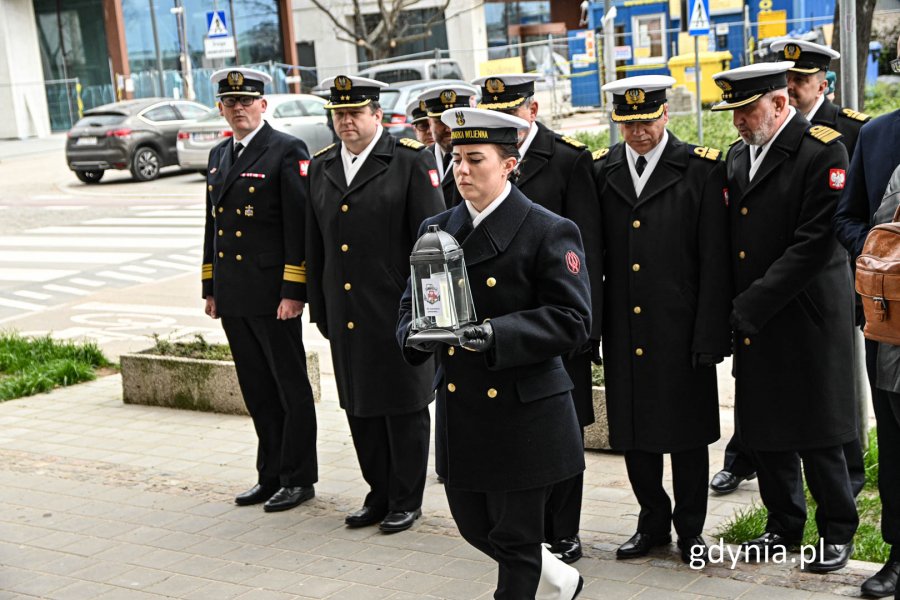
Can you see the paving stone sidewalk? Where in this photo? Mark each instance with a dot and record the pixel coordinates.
(106, 500)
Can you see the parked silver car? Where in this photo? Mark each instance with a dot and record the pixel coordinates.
(301, 115)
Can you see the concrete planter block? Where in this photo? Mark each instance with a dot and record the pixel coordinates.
(192, 383)
(596, 436)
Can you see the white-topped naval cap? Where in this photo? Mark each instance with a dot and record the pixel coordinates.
(481, 126)
(240, 81)
(808, 57)
(745, 85)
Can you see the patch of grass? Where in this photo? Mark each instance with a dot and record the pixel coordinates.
(198, 348)
(882, 98)
(597, 375)
(750, 522)
(31, 366)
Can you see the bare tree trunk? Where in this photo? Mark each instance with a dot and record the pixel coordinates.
(864, 11)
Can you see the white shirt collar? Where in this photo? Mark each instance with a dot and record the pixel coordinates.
(249, 137)
(815, 108)
(439, 158)
(526, 143)
(652, 157)
(478, 217)
(756, 161)
(351, 167)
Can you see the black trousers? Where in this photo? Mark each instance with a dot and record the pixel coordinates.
(781, 489)
(509, 528)
(271, 368)
(690, 471)
(393, 456)
(887, 423)
(562, 516)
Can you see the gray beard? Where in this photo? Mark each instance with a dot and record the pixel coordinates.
(764, 133)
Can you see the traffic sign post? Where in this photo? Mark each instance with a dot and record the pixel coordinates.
(699, 25)
(218, 43)
(216, 25)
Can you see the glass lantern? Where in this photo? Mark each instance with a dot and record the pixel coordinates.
(441, 297)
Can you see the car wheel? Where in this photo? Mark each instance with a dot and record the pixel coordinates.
(145, 164)
(89, 176)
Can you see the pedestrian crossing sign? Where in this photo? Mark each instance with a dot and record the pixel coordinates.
(699, 23)
(215, 24)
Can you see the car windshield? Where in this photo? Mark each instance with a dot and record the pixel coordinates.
(445, 70)
(100, 120)
(388, 99)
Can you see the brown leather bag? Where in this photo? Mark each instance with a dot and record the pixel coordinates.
(878, 281)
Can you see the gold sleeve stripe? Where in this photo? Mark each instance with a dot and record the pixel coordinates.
(296, 278)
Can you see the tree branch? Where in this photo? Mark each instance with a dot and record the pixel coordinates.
(334, 19)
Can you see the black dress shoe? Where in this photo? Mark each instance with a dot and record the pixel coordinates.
(641, 543)
(399, 520)
(693, 549)
(367, 515)
(834, 557)
(258, 493)
(725, 482)
(768, 544)
(567, 549)
(289, 497)
(883, 583)
(579, 588)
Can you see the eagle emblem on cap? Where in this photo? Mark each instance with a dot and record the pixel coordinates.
(422, 106)
(724, 84)
(235, 79)
(448, 97)
(635, 96)
(792, 51)
(342, 83)
(495, 85)
(460, 118)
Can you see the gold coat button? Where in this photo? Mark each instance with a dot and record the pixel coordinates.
(344, 208)
(237, 210)
(451, 351)
(221, 209)
(745, 210)
(491, 282)
(637, 310)
(742, 255)
(492, 393)
(639, 352)
(213, 213)
(239, 257)
(221, 255)
(347, 286)
(350, 325)
(252, 189)
(238, 233)
(746, 341)
(344, 247)
(221, 232)
(636, 224)
(209, 187)
(635, 267)
(451, 387)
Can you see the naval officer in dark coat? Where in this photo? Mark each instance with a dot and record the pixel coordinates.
(666, 303)
(369, 193)
(555, 172)
(793, 311)
(254, 279)
(510, 430)
(437, 100)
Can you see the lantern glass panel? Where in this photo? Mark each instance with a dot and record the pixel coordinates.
(434, 303)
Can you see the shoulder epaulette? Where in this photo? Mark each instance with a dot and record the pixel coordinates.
(740, 139)
(572, 142)
(324, 150)
(824, 134)
(707, 153)
(856, 116)
(599, 154)
(411, 143)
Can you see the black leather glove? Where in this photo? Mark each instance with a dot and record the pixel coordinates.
(479, 338)
(706, 360)
(738, 323)
(596, 358)
(428, 346)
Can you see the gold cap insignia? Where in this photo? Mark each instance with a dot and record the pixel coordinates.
(792, 52)
(236, 79)
(635, 96)
(495, 85)
(460, 118)
(724, 84)
(342, 83)
(422, 106)
(448, 97)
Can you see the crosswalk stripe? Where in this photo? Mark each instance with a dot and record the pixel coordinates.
(87, 282)
(66, 289)
(174, 311)
(124, 277)
(10, 303)
(147, 221)
(184, 258)
(32, 295)
(78, 258)
(24, 241)
(170, 265)
(138, 269)
(110, 230)
(174, 213)
(32, 275)
(153, 206)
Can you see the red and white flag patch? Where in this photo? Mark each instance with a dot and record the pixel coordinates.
(837, 178)
(435, 180)
(573, 262)
(304, 168)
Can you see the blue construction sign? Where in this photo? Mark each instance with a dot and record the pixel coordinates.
(215, 24)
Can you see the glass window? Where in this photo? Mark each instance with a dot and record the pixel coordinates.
(445, 70)
(647, 33)
(499, 15)
(412, 22)
(161, 113)
(388, 99)
(100, 120)
(288, 109)
(191, 111)
(314, 108)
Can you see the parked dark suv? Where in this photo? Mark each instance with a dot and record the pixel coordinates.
(138, 135)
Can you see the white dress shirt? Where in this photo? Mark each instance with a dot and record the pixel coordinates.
(351, 167)
(815, 108)
(245, 141)
(526, 143)
(756, 161)
(652, 157)
(478, 217)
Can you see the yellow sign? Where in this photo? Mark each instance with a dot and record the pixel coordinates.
(772, 24)
(723, 6)
(500, 65)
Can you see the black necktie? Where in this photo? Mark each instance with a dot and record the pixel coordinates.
(757, 152)
(639, 165)
(236, 152)
(353, 160)
(448, 158)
